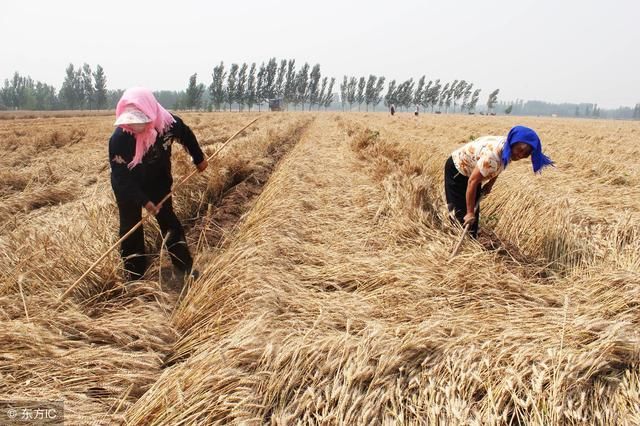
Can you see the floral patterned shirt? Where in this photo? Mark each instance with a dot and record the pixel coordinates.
(484, 152)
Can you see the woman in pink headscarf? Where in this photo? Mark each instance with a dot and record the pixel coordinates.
(140, 158)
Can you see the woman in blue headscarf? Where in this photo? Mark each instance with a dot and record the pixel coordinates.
(480, 162)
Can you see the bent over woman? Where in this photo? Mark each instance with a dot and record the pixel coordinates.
(480, 162)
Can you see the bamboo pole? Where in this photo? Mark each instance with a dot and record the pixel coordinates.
(144, 219)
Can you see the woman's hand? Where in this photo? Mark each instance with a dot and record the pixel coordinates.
(469, 219)
(201, 166)
(151, 208)
(471, 197)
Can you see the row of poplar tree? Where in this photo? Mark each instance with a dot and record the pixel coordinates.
(251, 85)
(248, 86)
(432, 94)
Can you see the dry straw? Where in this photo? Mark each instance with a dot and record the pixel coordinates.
(335, 303)
(329, 298)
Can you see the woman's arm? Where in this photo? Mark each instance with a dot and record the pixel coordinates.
(475, 180)
(186, 137)
(486, 188)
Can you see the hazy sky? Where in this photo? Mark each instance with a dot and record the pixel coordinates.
(553, 50)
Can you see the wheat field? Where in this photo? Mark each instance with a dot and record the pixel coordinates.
(327, 293)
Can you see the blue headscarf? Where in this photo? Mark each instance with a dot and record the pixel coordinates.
(528, 136)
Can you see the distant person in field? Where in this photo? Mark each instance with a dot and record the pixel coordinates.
(481, 161)
(392, 109)
(416, 111)
(140, 158)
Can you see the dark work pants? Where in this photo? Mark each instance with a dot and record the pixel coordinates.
(133, 250)
(455, 188)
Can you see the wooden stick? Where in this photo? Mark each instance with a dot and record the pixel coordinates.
(144, 219)
(454, 253)
(457, 248)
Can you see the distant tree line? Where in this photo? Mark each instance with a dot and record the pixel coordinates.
(362, 90)
(432, 95)
(82, 89)
(249, 86)
(583, 110)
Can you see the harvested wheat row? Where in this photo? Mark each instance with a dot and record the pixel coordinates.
(335, 302)
(104, 347)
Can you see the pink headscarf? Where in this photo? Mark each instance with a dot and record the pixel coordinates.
(143, 100)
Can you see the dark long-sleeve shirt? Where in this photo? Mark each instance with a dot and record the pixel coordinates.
(151, 178)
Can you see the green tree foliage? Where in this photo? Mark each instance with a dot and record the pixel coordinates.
(343, 91)
(46, 98)
(424, 99)
(232, 80)
(370, 91)
(458, 93)
(443, 96)
(100, 88)
(113, 96)
(241, 86)
(23, 93)
(68, 92)
(419, 93)
(352, 87)
(216, 89)
(323, 90)
(269, 87)
(405, 93)
(360, 94)
(474, 100)
(328, 99)
(260, 85)
(88, 90)
(314, 86)
(82, 89)
(250, 94)
(302, 85)
(193, 95)
(450, 95)
(434, 94)
(466, 96)
(493, 98)
(280, 79)
(290, 83)
(377, 92)
(391, 96)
